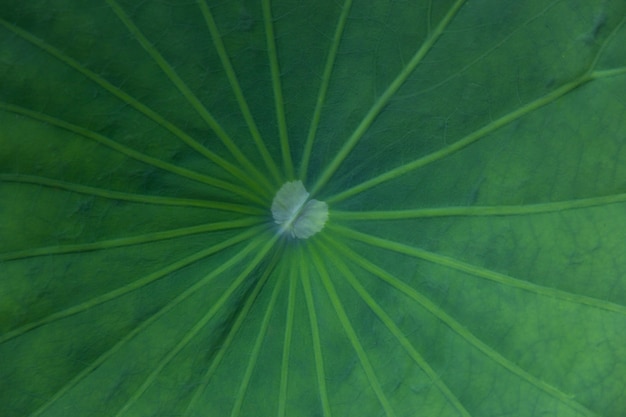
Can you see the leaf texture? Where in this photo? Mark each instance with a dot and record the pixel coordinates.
(471, 153)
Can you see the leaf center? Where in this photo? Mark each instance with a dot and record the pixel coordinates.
(296, 214)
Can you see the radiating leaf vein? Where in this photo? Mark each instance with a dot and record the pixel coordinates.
(383, 100)
(191, 333)
(129, 240)
(241, 100)
(472, 339)
(475, 211)
(350, 333)
(136, 104)
(132, 197)
(191, 98)
(387, 321)
(134, 154)
(479, 271)
(227, 264)
(132, 286)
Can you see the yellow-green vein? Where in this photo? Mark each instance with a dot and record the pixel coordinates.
(321, 95)
(136, 104)
(278, 91)
(351, 333)
(130, 240)
(241, 100)
(135, 198)
(260, 255)
(232, 332)
(475, 211)
(134, 154)
(315, 334)
(256, 349)
(613, 72)
(462, 143)
(462, 331)
(605, 44)
(385, 319)
(132, 286)
(191, 98)
(478, 271)
(493, 48)
(589, 75)
(429, 18)
(290, 314)
(383, 100)
(235, 260)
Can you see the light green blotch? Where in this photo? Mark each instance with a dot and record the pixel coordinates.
(295, 215)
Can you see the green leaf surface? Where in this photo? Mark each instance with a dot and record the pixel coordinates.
(472, 155)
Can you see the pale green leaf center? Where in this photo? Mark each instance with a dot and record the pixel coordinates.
(296, 215)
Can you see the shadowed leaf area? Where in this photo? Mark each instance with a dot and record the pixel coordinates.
(450, 241)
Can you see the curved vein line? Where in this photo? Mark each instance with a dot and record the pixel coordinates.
(232, 332)
(315, 334)
(199, 325)
(321, 95)
(279, 104)
(129, 241)
(234, 84)
(190, 97)
(139, 283)
(388, 321)
(488, 52)
(122, 196)
(134, 154)
(476, 211)
(429, 17)
(478, 271)
(238, 257)
(613, 72)
(131, 101)
(605, 44)
(256, 349)
(383, 100)
(589, 75)
(351, 333)
(284, 374)
(462, 331)
(462, 143)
